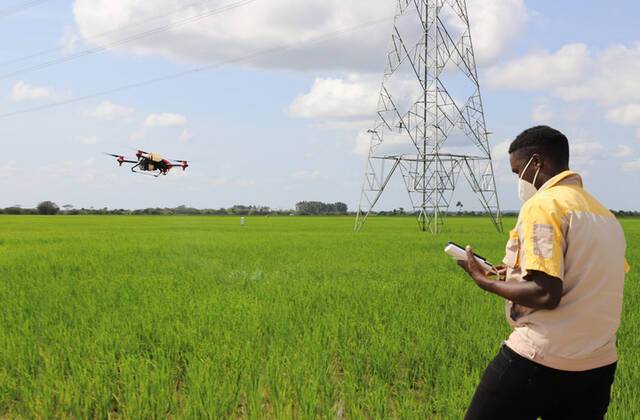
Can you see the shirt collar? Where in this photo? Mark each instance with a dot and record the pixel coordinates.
(563, 177)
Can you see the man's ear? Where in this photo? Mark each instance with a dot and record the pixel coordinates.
(538, 160)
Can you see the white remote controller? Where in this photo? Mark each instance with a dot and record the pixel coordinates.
(460, 254)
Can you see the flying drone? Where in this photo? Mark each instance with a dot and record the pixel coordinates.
(150, 162)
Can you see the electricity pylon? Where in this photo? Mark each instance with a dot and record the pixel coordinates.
(430, 123)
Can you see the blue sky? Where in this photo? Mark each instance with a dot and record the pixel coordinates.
(284, 128)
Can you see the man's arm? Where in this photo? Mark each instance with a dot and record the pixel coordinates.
(540, 291)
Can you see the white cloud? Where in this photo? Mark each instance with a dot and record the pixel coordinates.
(541, 114)
(69, 40)
(613, 79)
(265, 24)
(573, 73)
(631, 166)
(622, 151)
(306, 175)
(219, 181)
(7, 170)
(165, 120)
(584, 152)
(22, 91)
(349, 103)
(500, 151)
(625, 115)
(357, 96)
(542, 69)
(108, 111)
(495, 24)
(224, 182)
(363, 144)
(90, 140)
(185, 136)
(394, 143)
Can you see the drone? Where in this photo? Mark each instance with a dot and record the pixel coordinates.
(151, 163)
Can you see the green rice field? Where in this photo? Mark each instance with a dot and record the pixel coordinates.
(291, 317)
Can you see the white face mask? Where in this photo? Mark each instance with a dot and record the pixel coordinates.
(526, 190)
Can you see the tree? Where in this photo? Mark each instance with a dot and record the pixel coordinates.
(341, 208)
(48, 207)
(459, 205)
(318, 207)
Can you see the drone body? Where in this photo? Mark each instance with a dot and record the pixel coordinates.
(151, 163)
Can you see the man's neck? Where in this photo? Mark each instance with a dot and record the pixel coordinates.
(544, 177)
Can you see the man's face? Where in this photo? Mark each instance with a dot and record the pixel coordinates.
(520, 160)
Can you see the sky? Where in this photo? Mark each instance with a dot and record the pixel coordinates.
(284, 92)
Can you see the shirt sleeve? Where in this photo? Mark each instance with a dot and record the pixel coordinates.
(543, 239)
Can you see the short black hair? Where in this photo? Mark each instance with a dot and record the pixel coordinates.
(545, 140)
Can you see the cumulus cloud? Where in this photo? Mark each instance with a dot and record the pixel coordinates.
(165, 120)
(356, 96)
(22, 91)
(363, 144)
(625, 115)
(7, 170)
(306, 175)
(224, 182)
(89, 140)
(541, 114)
(108, 111)
(500, 151)
(622, 151)
(265, 24)
(494, 25)
(350, 102)
(631, 166)
(584, 152)
(608, 77)
(613, 78)
(185, 136)
(542, 69)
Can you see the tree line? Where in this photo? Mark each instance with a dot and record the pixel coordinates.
(302, 208)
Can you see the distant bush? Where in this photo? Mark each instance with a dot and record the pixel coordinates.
(48, 208)
(13, 210)
(320, 208)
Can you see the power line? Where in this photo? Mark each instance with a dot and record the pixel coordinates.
(12, 10)
(195, 70)
(103, 34)
(135, 37)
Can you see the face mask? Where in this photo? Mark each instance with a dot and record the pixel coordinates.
(526, 190)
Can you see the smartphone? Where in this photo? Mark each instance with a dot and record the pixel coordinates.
(459, 253)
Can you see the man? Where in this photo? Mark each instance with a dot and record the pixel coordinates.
(564, 274)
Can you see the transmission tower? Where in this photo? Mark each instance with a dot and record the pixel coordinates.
(430, 124)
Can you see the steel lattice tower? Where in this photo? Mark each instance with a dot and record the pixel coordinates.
(430, 96)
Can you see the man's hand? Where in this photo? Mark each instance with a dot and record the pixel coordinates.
(539, 291)
(500, 272)
(474, 269)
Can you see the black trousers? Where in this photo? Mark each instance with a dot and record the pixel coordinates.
(513, 387)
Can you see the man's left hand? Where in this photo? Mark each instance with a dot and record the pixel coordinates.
(473, 268)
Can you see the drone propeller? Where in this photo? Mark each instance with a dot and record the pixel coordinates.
(119, 158)
(182, 163)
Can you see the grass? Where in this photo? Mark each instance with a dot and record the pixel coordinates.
(196, 317)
